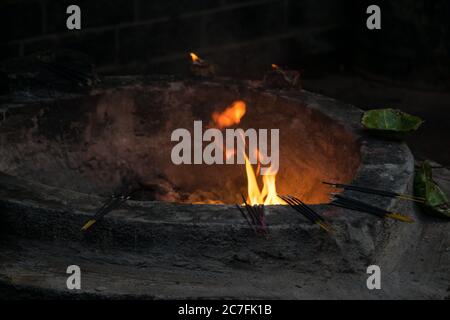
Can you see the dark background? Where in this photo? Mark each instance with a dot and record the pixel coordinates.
(405, 65)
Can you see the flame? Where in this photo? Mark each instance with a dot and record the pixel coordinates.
(270, 186)
(194, 57)
(230, 116)
(268, 194)
(254, 195)
(274, 66)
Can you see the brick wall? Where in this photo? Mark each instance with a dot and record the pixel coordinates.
(242, 36)
(143, 36)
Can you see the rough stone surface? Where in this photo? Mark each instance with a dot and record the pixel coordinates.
(163, 250)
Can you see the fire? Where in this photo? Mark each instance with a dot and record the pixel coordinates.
(268, 194)
(232, 115)
(194, 57)
(275, 67)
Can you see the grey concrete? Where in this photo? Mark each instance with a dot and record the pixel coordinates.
(167, 250)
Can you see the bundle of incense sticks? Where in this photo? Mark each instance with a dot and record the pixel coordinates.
(376, 192)
(107, 207)
(116, 201)
(352, 204)
(306, 211)
(255, 217)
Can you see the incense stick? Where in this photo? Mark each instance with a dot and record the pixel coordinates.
(376, 191)
(246, 219)
(357, 205)
(306, 214)
(306, 211)
(322, 221)
(251, 212)
(107, 207)
(257, 218)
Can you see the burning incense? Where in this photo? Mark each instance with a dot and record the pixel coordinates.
(376, 191)
(357, 205)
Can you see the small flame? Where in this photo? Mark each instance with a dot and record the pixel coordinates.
(270, 186)
(268, 195)
(194, 57)
(275, 67)
(230, 116)
(254, 195)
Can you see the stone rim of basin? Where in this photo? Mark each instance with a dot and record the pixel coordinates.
(383, 163)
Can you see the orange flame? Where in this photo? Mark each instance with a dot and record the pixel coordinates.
(194, 57)
(268, 195)
(274, 66)
(232, 115)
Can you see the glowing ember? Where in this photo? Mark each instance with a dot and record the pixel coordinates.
(268, 195)
(232, 115)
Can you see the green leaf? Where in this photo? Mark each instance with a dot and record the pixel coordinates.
(424, 186)
(390, 120)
